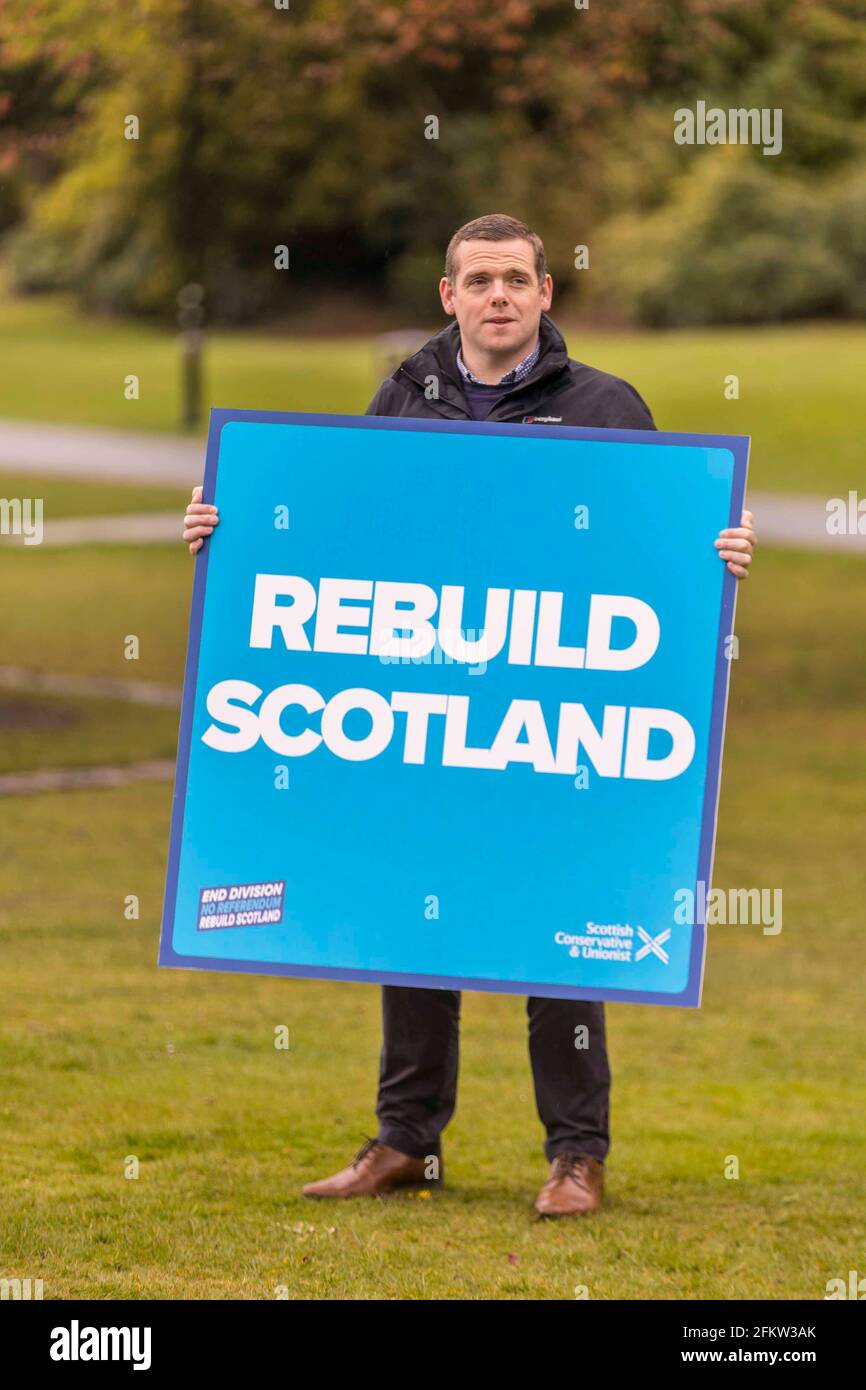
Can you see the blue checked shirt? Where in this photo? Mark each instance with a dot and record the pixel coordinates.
(511, 378)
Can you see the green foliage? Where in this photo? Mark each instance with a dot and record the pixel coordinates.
(734, 244)
(413, 281)
(36, 260)
(846, 237)
(306, 127)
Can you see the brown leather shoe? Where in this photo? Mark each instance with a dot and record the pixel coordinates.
(374, 1170)
(573, 1188)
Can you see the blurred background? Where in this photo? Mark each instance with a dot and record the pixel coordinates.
(308, 126)
(245, 204)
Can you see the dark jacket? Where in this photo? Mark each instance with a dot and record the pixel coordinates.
(557, 391)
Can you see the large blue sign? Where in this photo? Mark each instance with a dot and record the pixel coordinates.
(454, 705)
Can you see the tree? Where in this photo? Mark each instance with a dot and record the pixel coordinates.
(310, 128)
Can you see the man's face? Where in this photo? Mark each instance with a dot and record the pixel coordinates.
(496, 296)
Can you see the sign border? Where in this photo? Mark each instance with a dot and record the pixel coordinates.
(690, 995)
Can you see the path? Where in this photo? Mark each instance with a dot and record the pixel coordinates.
(75, 451)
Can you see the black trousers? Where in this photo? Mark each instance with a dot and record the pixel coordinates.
(418, 1071)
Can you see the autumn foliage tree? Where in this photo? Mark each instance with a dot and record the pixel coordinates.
(361, 134)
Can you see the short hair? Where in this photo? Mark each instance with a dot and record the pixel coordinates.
(495, 226)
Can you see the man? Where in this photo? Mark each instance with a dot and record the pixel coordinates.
(503, 360)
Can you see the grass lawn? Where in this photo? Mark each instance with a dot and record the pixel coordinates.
(801, 396)
(38, 730)
(123, 590)
(69, 497)
(103, 1056)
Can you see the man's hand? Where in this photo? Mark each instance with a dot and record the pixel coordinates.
(200, 520)
(736, 545)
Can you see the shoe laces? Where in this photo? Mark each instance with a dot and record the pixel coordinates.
(366, 1148)
(567, 1165)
